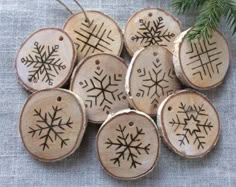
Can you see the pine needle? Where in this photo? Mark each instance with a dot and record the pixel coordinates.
(211, 12)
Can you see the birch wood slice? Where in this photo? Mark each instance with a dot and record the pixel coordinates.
(151, 78)
(151, 26)
(45, 60)
(52, 124)
(189, 124)
(100, 81)
(128, 145)
(201, 64)
(100, 35)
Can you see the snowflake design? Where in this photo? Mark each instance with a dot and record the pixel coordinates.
(191, 121)
(204, 58)
(50, 127)
(102, 89)
(93, 38)
(128, 146)
(152, 33)
(155, 82)
(45, 64)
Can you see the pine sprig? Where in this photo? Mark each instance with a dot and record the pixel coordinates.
(211, 12)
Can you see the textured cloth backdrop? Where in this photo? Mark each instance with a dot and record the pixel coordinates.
(18, 18)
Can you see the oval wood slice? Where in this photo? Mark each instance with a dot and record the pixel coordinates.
(151, 78)
(100, 35)
(151, 26)
(45, 60)
(52, 124)
(100, 81)
(128, 145)
(189, 124)
(201, 64)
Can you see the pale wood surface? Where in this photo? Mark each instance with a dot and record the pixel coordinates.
(201, 64)
(52, 124)
(128, 145)
(151, 26)
(150, 79)
(45, 60)
(189, 124)
(100, 35)
(100, 81)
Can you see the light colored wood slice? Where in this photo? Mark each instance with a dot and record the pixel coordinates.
(100, 81)
(100, 35)
(151, 26)
(201, 64)
(45, 60)
(189, 124)
(52, 124)
(128, 145)
(151, 78)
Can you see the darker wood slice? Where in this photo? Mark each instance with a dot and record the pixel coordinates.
(201, 64)
(128, 145)
(189, 124)
(151, 26)
(52, 124)
(45, 60)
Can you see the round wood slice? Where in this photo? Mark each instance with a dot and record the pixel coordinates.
(128, 145)
(45, 60)
(151, 78)
(100, 81)
(201, 64)
(189, 124)
(52, 124)
(100, 35)
(151, 26)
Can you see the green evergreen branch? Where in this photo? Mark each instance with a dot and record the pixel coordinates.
(211, 12)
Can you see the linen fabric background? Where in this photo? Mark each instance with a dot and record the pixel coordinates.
(19, 18)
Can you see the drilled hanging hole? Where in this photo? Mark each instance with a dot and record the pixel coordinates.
(97, 62)
(150, 14)
(131, 124)
(61, 38)
(59, 99)
(169, 108)
(155, 54)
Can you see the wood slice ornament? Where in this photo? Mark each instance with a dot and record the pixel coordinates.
(151, 26)
(189, 124)
(151, 78)
(99, 34)
(52, 124)
(128, 145)
(100, 81)
(201, 64)
(45, 60)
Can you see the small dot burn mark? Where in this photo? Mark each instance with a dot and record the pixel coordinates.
(61, 38)
(155, 106)
(59, 99)
(131, 124)
(169, 108)
(150, 14)
(155, 54)
(97, 62)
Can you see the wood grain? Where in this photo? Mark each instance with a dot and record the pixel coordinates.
(151, 26)
(128, 145)
(100, 81)
(189, 124)
(201, 64)
(52, 124)
(45, 60)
